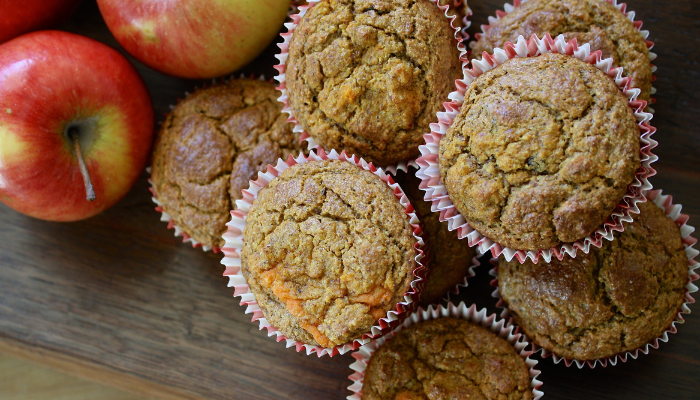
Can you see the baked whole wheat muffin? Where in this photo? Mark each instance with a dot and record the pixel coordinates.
(369, 76)
(328, 250)
(210, 146)
(614, 299)
(446, 358)
(589, 21)
(448, 257)
(541, 152)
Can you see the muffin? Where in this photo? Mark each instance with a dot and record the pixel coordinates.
(210, 146)
(446, 358)
(449, 258)
(369, 77)
(541, 152)
(328, 250)
(614, 299)
(589, 21)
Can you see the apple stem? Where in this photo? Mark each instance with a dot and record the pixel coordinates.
(89, 191)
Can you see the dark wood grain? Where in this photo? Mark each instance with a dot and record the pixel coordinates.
(118, 299)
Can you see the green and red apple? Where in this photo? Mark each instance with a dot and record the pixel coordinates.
(194, 38)
(22, 16)
(53, 85)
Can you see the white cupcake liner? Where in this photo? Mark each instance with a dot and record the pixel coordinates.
(501, 328)
(164, 216)
(234, 245)
(465, 20)
(436, 192)
(284, 54)
(673, 211)
(508, 8)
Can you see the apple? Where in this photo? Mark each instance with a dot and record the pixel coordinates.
(194, 38)
(56, 87)
(22, 16)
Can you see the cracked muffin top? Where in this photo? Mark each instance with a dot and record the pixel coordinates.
(449, 258)
(614, 299)
(328, 250)
(446, 358)
(589, 21)
(541, 152)
(210, 146)
(369, 76)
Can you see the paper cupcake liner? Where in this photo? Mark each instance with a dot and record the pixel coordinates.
(234, 245)
(673, 211)
(465, 23)
(508, 8)
(436, 192)
(164, 216)
(312, 144)
(501, 328)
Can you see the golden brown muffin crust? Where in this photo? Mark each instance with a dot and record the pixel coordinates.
(369, 76)
(594, 21)
(541, 152)
(612, 300)
(328, 251)
(443, 359)
(458, 9)
(210, 146)
(449, 258)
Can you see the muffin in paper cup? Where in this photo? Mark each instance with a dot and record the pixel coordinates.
(436, 192)
(165, 217)
(500, 327)
(622, 7)
(444, 5)
(452, 261)
(234, 245)
(670, 210)
(271, 137)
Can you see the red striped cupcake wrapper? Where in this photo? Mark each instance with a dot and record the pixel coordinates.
(234, 245)
(282, 67)
(673, 211)
(508, 8)
(500, 327)
(437, 194)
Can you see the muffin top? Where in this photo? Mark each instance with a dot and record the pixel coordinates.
(589, 21)
(541, 152)
(328, 251)
(210, 146)
(449, 258)
(446, 358)
(614, 299)
(369, 76)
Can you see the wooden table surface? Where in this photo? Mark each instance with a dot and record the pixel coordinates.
(118, 299)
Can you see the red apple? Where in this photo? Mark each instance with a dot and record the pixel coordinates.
(22, 16)
(194, 38)
(53, 84)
